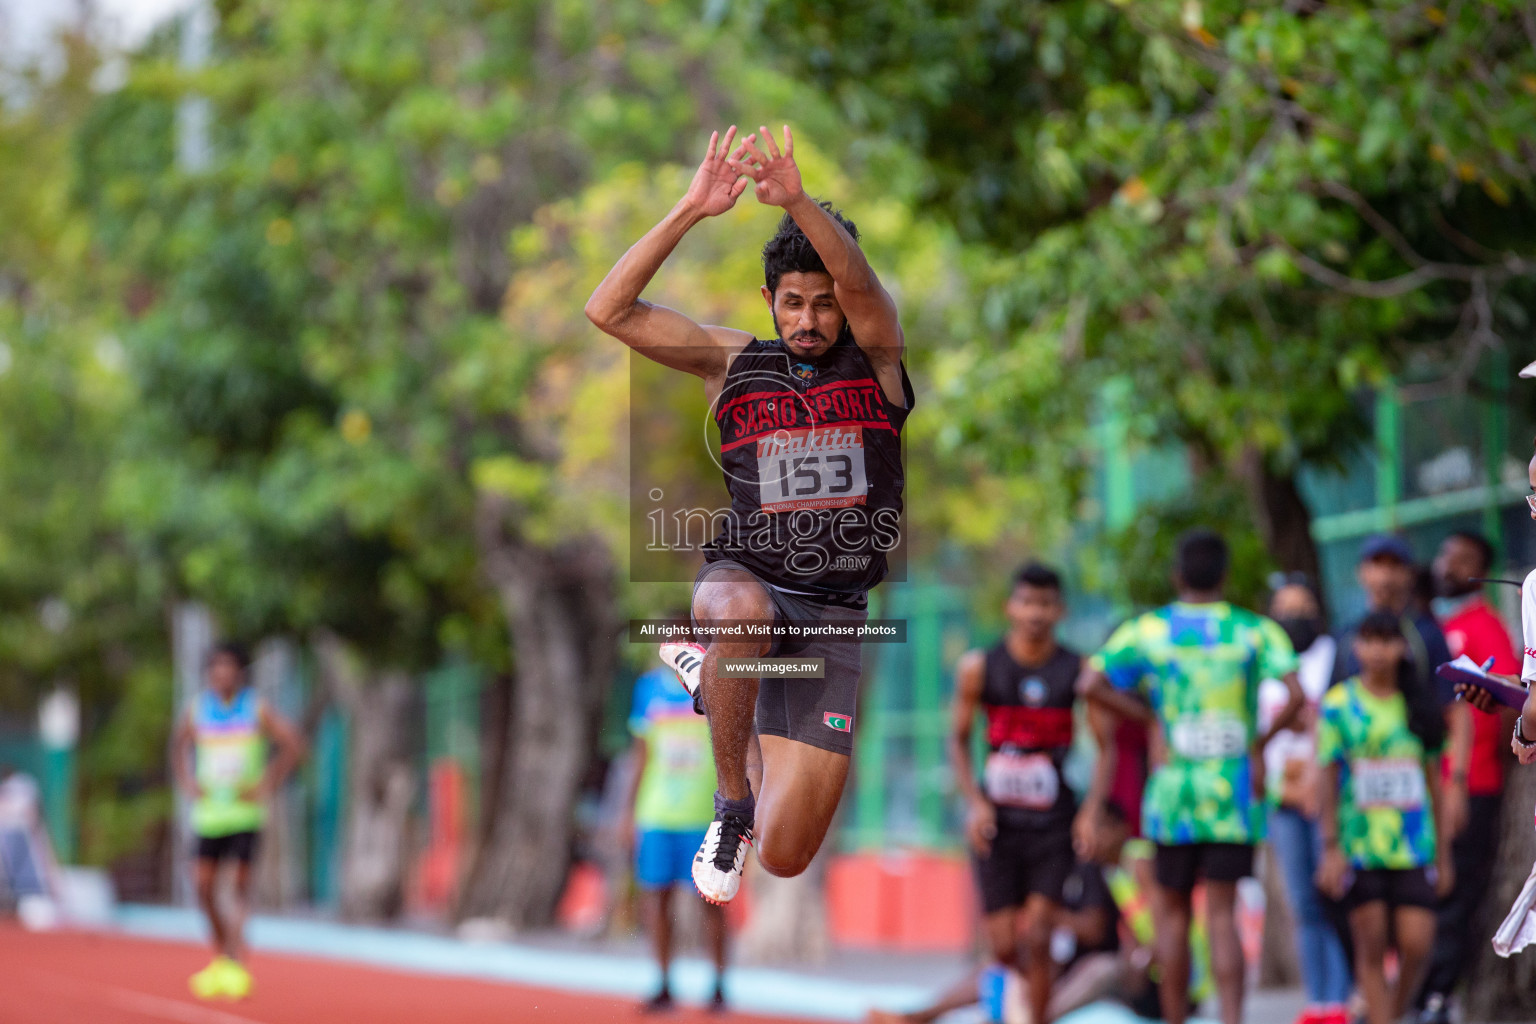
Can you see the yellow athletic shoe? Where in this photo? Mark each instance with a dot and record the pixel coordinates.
(235, 980)
(208, 983)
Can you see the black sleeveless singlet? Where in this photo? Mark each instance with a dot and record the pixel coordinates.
(811, 451)
(1029, 733)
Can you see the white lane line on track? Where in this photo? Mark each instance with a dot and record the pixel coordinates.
(173, 1009)
(144, 1004)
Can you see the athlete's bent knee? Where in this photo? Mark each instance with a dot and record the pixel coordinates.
(783, 863)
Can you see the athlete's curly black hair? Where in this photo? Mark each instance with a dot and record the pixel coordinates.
(789, 251)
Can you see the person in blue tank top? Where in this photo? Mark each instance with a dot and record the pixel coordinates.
(810, 424)
(221, 758)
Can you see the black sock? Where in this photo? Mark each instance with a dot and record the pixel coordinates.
(745, 808)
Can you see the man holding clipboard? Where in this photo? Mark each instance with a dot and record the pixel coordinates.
(1487, 692)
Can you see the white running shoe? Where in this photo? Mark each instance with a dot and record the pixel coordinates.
(718, 864)
(687, 660)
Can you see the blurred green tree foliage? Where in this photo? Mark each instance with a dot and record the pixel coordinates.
(1249, 213)
(79, 602)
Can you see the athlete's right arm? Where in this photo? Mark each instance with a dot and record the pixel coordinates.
(656, 332)
(638, 756)
(980, 815)
(182, 742)
(1085, 827)
(1331, 872)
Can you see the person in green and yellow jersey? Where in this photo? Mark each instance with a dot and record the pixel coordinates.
(231, 752)
(1379, 738)
(1192, 670)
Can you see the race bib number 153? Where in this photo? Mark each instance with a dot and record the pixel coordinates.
(820, 467)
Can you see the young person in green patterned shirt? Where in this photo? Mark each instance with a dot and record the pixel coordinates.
(1378, 741)
(1193, 669)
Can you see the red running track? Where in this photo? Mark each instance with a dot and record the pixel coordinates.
(92, 978)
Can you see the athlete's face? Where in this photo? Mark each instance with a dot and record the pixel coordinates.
(805, 313)
(1034, 611)
(225, 675)
(1379, 655)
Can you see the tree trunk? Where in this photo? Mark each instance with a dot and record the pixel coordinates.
(1499, 989)
(560, 609)
(1283, 519)
(381, 783)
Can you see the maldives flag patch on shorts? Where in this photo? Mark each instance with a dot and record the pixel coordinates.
(842, 723)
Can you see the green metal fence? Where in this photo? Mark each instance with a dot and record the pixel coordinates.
(1443, 457)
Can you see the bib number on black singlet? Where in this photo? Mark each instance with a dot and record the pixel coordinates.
(817, 468)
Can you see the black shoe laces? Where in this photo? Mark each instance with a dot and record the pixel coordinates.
(733, 829)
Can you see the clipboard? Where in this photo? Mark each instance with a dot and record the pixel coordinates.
(1465, 670)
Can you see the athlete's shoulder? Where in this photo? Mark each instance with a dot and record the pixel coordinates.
(1245, 616)
(1336, 698)
(1256, 623)
(977, 658)
(1138, 627)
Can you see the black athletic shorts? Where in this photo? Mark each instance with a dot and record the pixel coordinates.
(814, 711)
(1404, 887)
(240, 846)
(1024, 861)
(1179, 867)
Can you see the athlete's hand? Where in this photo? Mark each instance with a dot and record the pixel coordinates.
(981, 827)
(1453, 816)
(1085, 834)
(1331, 874)
(775, 174)
(717, 184)
(1445, 872)
(626, 836)
(255, 793)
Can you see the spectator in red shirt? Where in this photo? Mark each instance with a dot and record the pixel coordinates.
(1474, 629)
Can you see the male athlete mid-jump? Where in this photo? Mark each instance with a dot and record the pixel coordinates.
(810, 425)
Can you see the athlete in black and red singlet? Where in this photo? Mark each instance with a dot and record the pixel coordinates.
(810, 424)
(1019, 808)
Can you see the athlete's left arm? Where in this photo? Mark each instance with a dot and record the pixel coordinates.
(1094, 685)
(870, 310)
(290, 748)
(1295, 700)
(1440, 812)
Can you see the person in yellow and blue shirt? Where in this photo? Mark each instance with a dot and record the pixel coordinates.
(1379, 738)
(672, 803)
(1192, 671)
(221, 757)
